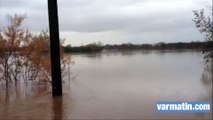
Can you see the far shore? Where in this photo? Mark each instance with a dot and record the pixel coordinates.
(98, 47)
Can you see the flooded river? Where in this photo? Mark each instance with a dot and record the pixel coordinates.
(115, 85)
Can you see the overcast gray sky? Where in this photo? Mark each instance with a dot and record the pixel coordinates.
(112, 21)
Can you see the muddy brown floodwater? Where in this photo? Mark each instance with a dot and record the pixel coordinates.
(116, 85)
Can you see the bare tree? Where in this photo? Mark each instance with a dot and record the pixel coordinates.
(26, 56)
(204, 24)
(10, 40)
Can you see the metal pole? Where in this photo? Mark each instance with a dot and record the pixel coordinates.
(54, 48)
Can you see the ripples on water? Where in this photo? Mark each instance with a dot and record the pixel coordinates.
(118, 85)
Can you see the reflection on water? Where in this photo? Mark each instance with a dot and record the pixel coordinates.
(207, 76)
(24, 101)
(57, 108)
(119, 85)
(207, 79)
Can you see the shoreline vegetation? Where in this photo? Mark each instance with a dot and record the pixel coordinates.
(98, 47)
(25, 56)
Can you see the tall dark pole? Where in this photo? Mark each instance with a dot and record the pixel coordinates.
(55, 48)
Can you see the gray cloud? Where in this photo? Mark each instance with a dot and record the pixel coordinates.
(137, 16)
(132, 17)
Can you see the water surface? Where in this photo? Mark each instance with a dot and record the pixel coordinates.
(116, 85)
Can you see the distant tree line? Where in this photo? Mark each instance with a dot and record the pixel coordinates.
(94, 47)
